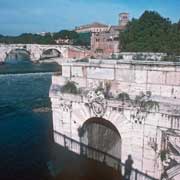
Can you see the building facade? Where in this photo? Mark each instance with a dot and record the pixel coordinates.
(93, 28)
(106, 43)
(105, 38)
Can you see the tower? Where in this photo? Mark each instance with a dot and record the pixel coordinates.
(123, 19)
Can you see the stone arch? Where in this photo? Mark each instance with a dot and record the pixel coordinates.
(101, 134)
(17, 51)
(45, 55)
(120, 119)
(101, 121)
(81, 112)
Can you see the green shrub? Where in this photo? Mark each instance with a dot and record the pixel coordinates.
(70, 87)
(145, 103)
(171, 58)
(113, 56)
(163, 155)
(123, 96)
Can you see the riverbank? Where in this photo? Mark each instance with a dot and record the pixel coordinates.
(29, 68)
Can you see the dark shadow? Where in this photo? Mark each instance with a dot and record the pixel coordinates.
(71, 166)
(128, 168)
(100, 121)
(51, 53)
(102, 135)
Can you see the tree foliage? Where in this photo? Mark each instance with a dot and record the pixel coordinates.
(65, 34)
(28, 38)
(145, 103)
(151, 33)
(81, 39)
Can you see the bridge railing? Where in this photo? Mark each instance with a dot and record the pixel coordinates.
(98, 155)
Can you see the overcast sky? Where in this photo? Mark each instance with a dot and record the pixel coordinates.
(19, 16)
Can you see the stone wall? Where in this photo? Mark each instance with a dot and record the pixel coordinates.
(146, 135)
(162, 80)
(141, 55)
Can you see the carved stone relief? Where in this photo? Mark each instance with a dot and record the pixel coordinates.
(97, 103)
(170, 155)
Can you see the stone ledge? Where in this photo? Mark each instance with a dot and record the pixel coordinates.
(112, 62)
(117, 105)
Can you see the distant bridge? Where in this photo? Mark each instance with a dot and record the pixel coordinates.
(35, 51)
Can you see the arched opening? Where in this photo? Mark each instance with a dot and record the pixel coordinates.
(51, 53)
(101, 134)
(18, 56)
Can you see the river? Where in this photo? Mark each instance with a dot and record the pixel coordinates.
(25, 133)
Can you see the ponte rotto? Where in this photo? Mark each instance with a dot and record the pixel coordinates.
(36, 51)
(138, 100)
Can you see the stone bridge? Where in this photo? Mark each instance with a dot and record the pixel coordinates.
(35, 50)
(138, 101)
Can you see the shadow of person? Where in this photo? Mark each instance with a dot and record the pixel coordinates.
(128, 168)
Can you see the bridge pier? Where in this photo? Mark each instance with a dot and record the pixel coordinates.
(2, 56)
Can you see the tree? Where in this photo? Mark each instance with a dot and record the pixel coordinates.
(81, 39)
(66, 34)
(151, 33)
(178, 25)
(28, 38)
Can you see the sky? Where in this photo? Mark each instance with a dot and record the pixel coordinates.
(20, 16)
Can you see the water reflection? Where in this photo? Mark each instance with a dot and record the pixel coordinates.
(18, 56)
(25, 132)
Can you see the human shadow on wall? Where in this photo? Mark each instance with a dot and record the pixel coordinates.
(128, 168)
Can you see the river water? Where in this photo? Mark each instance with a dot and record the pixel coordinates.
(25, 132)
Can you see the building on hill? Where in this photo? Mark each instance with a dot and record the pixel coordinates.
(106, 43)
(104, 38)
(44, 33)
(94, 27)
(66, 41)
